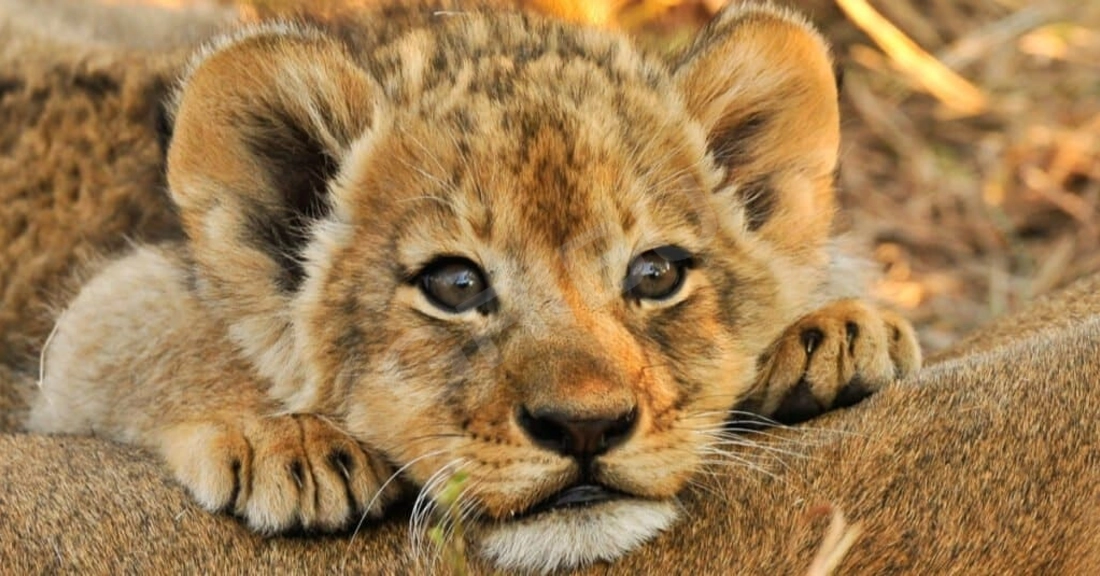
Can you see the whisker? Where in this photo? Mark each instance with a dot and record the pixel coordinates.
(425, 504)
(439, 436)
(453, 520)
(728, 459)
(378, 494)
(427, 152)
(46, 349)
(709, 490)
(771, 454)
(760, 440)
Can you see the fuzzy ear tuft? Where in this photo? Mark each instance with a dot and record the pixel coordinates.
(262, 124)
(760, 80)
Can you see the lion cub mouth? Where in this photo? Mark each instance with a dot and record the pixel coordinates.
(576, 496)
(578, 525)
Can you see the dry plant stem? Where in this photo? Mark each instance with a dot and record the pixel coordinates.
(920, 23)
(977, 45)
(1053, 269)
(894, 128)
(595, 13)
(1072, 205)
(636, 14)
(959, 95)
(839, 538)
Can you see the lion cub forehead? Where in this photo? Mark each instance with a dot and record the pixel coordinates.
(534, 224)
(434, 45)
(530, 185)
(517, 132)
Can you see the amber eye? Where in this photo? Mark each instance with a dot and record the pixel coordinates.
(657, 274)
(455, 285)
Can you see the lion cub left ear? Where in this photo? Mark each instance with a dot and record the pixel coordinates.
(760, 80)
(263, 124)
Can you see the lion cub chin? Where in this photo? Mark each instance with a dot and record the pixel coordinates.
(457, 242)
(573, 537)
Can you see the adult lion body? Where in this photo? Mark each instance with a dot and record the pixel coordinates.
(986, 462)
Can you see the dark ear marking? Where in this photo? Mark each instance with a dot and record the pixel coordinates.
(732, 146)
(279, 235)
(162, 124)
(299, 168)
(759, 198)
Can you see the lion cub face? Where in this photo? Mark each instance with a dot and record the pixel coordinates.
(502, 246)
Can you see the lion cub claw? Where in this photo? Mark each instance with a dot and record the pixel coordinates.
(834, 357)
(279, 473)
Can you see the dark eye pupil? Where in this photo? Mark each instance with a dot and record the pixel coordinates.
(657, 274)
(463, 280)
(652, 271)
(455, 285)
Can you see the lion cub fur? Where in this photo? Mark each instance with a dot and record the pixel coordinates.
(985, 463)
(289, 365)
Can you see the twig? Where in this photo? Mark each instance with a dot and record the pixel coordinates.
(954, 91)
(978, 44)
(838, 540)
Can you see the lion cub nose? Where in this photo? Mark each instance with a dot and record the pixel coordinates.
(580, 438)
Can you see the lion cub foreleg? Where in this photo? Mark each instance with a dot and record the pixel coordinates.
(136, 358)
(834, 357)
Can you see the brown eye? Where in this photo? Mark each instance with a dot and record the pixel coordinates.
(455, 285)
(657, 274)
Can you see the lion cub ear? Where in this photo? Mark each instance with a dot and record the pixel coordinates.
(760, 80)
(263, 122)
(261, 127)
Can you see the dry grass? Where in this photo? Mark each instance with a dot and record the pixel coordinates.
(973, 214)
(972, 137)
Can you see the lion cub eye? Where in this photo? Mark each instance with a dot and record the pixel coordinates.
(454, 285)
(657, 274)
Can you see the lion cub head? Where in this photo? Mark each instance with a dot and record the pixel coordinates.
(492, 243)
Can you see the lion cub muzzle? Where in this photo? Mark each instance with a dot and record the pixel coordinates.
(578, 406)
(575, 404)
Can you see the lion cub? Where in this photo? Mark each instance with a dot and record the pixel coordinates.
(443, 239)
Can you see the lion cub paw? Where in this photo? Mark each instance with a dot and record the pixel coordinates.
(835, 357)
(280, 473)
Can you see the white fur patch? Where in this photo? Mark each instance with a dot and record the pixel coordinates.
(574, 537)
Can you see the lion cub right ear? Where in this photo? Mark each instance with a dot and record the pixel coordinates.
(262, 124)
(760, 81)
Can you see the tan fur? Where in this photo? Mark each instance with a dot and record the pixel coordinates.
(985, 464)
(286, 363)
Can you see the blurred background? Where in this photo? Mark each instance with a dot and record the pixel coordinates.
(970, 167)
